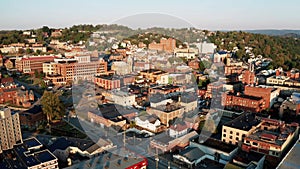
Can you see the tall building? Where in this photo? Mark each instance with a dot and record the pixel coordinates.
(10, 129)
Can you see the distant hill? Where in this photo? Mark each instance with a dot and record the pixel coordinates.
(275, 32)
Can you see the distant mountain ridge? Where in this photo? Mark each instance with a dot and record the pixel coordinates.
(276, 32)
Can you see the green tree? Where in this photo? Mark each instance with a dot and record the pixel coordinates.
(52, 106)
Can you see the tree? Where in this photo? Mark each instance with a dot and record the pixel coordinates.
(52, 106)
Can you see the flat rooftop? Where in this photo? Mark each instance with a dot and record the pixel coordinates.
(166, 87)
(245, 96)
(244, 122)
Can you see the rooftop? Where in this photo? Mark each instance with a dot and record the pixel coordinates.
(244, 122)
(192, 153)
(245, 96)
(117, 159)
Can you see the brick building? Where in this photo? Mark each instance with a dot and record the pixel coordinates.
(268, 94)
(167, 45)
(32, 63)
(9, 92)
(243, 102)
(248, 77)
(68, 70)
(107, 82)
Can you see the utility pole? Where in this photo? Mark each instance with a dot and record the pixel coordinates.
(156, 159)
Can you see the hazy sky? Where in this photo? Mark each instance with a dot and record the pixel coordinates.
(203, 14)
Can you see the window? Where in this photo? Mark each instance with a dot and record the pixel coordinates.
(224, 135)
(255, 143)
(236, 138)
(231, 132)
(224, 130)
(230, 137)
(237, 133)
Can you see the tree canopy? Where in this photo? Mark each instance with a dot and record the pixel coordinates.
(52, 106)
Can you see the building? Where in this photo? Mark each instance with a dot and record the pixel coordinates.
(28, 155)
(167, 112)
(167, 45)
(155, 76)
(291, 104)
(248, 77)
(32, 118)
(121, 68)
(214, 89)
(9, 92)
(277, 80)
(164, 143)
(63, 71)
(148, 122)
(243, 102)
(177, 130)
(271, 137)
(119, 158)
(120, 98)
(111, 115)
(206, 48)
(10, 134)
(187, 53)
(63, 147)
(244, 160)
(234, 131)
(220, 56)
(268, 94)
(107, 82)
(31, 64)
(215, 149)
(190, 156)
(165, 89)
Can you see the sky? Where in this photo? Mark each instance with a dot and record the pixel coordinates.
(202, 14)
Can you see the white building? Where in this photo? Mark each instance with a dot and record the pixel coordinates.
(120, 98)
(178, 130)
(148, 122)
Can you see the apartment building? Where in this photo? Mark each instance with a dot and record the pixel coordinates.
(10, 129)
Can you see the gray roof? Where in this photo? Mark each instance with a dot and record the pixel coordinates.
(192, 153)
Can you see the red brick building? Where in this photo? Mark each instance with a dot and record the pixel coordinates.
(243, 102)
(107, 82)
(267, 94)
(248, 77)
(9, 92)
(167, 45)
(33, 63)
(229, 70)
